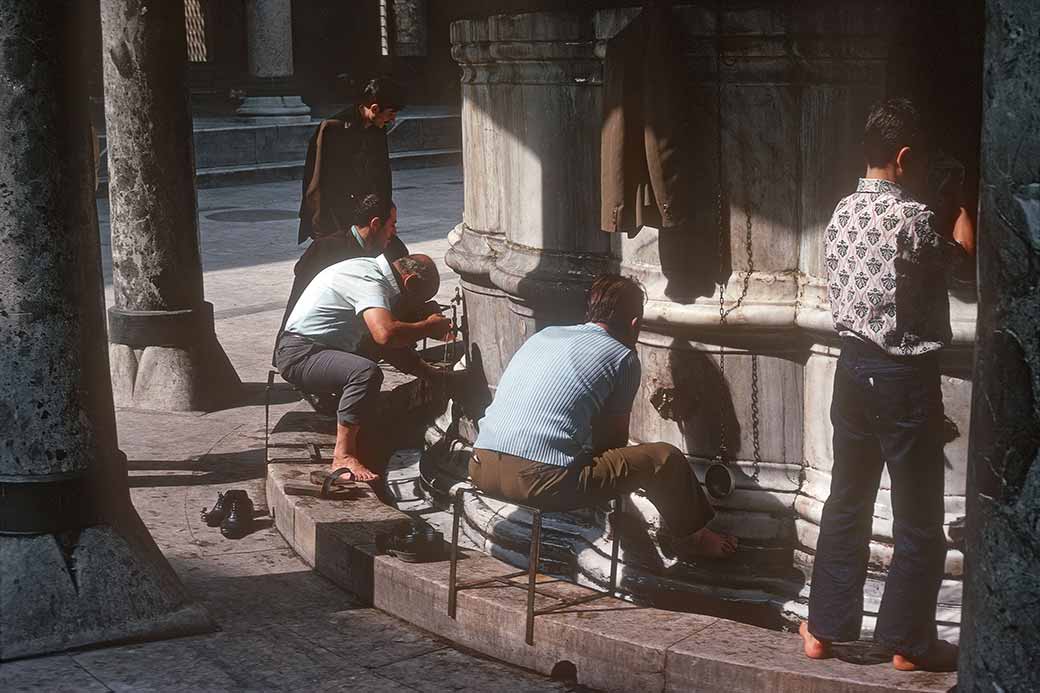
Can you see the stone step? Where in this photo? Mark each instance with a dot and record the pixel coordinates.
(232, 153)
(613, 644)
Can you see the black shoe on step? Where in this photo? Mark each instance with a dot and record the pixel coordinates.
(216, 515)
(239, 519)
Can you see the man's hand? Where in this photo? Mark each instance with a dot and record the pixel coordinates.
(438, 327)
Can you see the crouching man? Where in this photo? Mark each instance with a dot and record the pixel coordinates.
(555, 435)
(343, 323)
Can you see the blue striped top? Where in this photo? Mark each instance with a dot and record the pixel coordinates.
(554, 388)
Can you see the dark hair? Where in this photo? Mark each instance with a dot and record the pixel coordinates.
(614, 300)
(425, 269)
(892, 125)
(371, 206)
(383, 91)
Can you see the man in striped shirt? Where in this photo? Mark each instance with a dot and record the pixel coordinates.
(555, 435)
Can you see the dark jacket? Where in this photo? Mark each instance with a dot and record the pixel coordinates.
(345, 161)
(646, 164)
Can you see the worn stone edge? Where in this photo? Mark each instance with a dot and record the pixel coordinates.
(417, 593)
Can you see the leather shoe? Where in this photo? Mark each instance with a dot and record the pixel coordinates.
(216, 515)
(239, 519)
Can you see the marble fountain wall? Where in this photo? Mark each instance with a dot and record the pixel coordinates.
(795, 87)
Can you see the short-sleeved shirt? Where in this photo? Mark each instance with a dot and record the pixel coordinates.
(886, 270)
(555, 387)
(330, 308)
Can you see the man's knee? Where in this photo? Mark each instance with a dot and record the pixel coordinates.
(666, 453)
(370, 376)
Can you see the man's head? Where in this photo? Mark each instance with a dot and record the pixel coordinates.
(894, 141)
(381, 99)
(420, 279)
(376, 217)
(617, 303)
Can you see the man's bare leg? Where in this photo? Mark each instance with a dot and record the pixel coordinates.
(942, 657)
(346, 452)
(813, 646)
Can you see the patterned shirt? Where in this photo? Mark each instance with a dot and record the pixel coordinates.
(886, 268)
(554, 388)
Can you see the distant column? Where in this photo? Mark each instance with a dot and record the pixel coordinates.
(77, 565)
(1001, 625)
(164, 352)
(270, 52)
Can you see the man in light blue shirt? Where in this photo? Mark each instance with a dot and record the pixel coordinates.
(556, 434)
(343, 323)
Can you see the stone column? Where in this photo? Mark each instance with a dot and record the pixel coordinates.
(1001, 641)
(269, 35)
(77, 566)
(530, 243)
(164, 353)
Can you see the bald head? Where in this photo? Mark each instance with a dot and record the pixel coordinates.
(420, 277)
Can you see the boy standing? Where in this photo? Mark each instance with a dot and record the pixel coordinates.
(886, 262)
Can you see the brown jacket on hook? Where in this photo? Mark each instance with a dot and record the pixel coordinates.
(645, 157)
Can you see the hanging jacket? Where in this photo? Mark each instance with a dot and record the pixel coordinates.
(646, 167)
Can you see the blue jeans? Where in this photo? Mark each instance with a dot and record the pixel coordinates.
(886, 410)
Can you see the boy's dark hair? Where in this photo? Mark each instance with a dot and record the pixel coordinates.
(372, 205)
(383, 91)
(892, 125)
(615, 301)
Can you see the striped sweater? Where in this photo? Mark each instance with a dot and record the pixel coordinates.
(555, 387)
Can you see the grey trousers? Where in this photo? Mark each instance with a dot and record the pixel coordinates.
(320, 369)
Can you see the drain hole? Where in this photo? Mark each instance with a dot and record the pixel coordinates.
(564, 671)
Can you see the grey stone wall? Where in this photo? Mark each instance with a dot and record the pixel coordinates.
(795, 83)
(1002, 640)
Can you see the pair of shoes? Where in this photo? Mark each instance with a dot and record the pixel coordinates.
(233, 513)
(417, 544)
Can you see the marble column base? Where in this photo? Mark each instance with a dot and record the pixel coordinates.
(274, 109)
(88, 587)
(164, 378)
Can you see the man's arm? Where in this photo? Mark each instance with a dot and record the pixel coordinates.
(389, 332)
(964, 231)
(610, 431)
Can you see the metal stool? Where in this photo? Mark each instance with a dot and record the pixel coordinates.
(267, 410)
(454, 587)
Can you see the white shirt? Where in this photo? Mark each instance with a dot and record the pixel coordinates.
(329, 310)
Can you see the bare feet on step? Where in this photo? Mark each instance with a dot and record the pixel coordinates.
(706, 543)
(360, 471)
(813, 646)
(942, 657)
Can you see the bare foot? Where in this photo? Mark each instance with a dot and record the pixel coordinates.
(706, 543)
(361, 472)
(942, 657)
(814, 647)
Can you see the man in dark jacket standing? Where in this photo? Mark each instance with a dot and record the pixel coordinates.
(347, 161)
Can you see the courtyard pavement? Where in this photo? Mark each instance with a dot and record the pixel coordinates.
(281, 626)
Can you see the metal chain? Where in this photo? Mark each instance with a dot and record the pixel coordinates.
(723, 281)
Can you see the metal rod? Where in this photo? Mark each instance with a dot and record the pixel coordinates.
(452, 589)
(572, 602)
(532, 571)
(267, 411)
(500, 579)
(616, 512)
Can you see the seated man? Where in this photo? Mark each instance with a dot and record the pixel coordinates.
(344, 322)
(555, 434)
(374, 232)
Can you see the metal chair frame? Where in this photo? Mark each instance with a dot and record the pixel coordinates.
(267, 412)
(454, 587)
